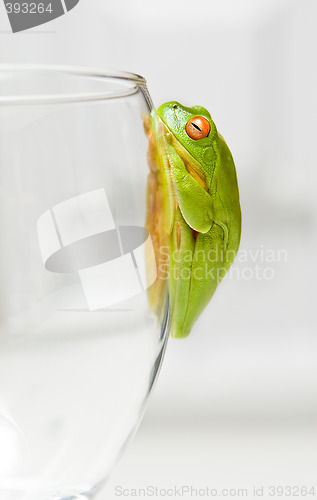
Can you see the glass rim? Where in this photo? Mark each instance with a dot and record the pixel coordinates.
(138, 83)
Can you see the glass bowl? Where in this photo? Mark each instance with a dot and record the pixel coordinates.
(79, 348)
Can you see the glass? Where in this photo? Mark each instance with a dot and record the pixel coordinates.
(79, 348)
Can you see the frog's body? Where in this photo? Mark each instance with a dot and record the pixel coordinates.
(193, 209)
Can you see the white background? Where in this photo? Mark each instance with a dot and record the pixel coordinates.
(235, 404)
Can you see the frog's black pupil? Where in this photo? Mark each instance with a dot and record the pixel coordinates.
(196, 127)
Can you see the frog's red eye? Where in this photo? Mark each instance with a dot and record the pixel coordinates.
(198, 128)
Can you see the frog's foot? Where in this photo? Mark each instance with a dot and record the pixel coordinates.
(146, 121)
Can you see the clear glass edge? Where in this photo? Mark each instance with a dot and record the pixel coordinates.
(138, 81)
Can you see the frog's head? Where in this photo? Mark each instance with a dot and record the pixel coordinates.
(194, 129)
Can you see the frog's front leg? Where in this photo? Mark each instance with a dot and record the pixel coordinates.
(194, 201)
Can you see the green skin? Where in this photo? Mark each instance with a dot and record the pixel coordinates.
(206, 224)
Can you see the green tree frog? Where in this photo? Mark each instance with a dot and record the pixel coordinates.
(193, 210)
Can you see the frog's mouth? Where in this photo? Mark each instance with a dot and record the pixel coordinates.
(192, 166)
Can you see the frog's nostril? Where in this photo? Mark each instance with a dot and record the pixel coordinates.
(175, 106)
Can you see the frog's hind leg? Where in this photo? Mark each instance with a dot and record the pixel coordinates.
(207, 270)
(181, 256)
